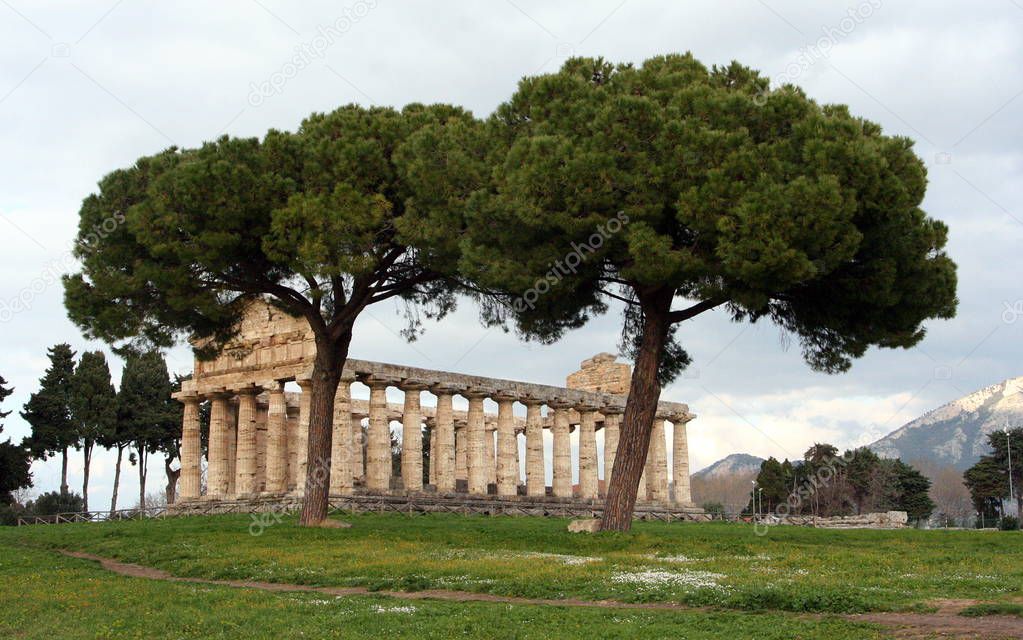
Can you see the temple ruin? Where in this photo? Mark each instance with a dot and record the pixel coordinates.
(258, 433)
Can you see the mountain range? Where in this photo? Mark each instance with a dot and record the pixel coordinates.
(953, 434)
(735, 464)
(956, 433)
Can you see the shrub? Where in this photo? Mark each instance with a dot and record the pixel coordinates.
(53, 502)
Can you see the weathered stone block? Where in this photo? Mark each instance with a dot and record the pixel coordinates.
(589, 525)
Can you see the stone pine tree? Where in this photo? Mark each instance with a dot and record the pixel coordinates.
(672, 190)
(989, 479)
(48, 411)
(988, 484)
(321, 223)
(93, 409)
(145, 410)
(14, 459)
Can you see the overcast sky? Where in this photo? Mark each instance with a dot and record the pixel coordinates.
(88, 87)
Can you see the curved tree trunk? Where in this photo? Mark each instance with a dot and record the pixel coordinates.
(172, 480)
(117, 479)
(640, 410)
(326, 374)
(87, 453)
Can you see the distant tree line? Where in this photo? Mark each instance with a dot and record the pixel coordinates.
(77, 408)
(989, 480)
(826, 483)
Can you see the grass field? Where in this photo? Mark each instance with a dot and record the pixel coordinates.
(724, 565)
(46, 596)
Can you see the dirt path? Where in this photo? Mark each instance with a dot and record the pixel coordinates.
(945, 623)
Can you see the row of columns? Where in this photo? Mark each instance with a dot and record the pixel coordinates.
(467, 453)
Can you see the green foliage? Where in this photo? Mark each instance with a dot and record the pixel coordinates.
(1009, 523)
(15, 470)
(93, 399)
(148, 416)
(993, 609)
(4, 392)
(988, 479)
(781, 209)
(320, 221)
(828, 484)
(48, 411)
(54, 502)
(714, 509)
(14, 463)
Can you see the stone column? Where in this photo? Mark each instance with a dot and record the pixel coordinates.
(489, 452)
(231, 446)
(277, 441)
(245, 470)
(262, 415)
(587, 452)
(444, 441)
(305, 404)
(680, 459)
(507, 445)
(612, 428)
(217, 481)
(431, 450)
(412, 437)
(378, 452)
(562, 452)
(476, 432)
(658, 456)
(292, 436)
(358, 450)
(191, 448)
(461, 447)
(341, 441)
(536, 483)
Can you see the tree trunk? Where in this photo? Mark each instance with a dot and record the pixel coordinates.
(87, 454)
(330, 360)
(117, 479)
(640, 410)
(142, 477)
(63, 472)
(172, 480)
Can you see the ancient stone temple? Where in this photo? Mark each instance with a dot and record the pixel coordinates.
(258, 433)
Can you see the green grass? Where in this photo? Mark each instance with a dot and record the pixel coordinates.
(993, 609)
(47, 596)
(720, 565)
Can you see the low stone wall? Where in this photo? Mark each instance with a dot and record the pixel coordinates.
(885, 520)
(448, 503)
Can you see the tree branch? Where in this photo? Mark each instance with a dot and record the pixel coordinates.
(696, 309)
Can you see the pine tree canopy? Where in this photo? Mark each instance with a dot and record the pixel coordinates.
(670, 182)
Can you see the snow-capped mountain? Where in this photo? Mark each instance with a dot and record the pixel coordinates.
(956, 433)
(735, 464)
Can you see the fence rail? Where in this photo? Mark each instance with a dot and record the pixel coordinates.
(95, 516)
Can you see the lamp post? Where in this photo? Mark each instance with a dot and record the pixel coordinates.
(1008, 450)
(756, 510)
